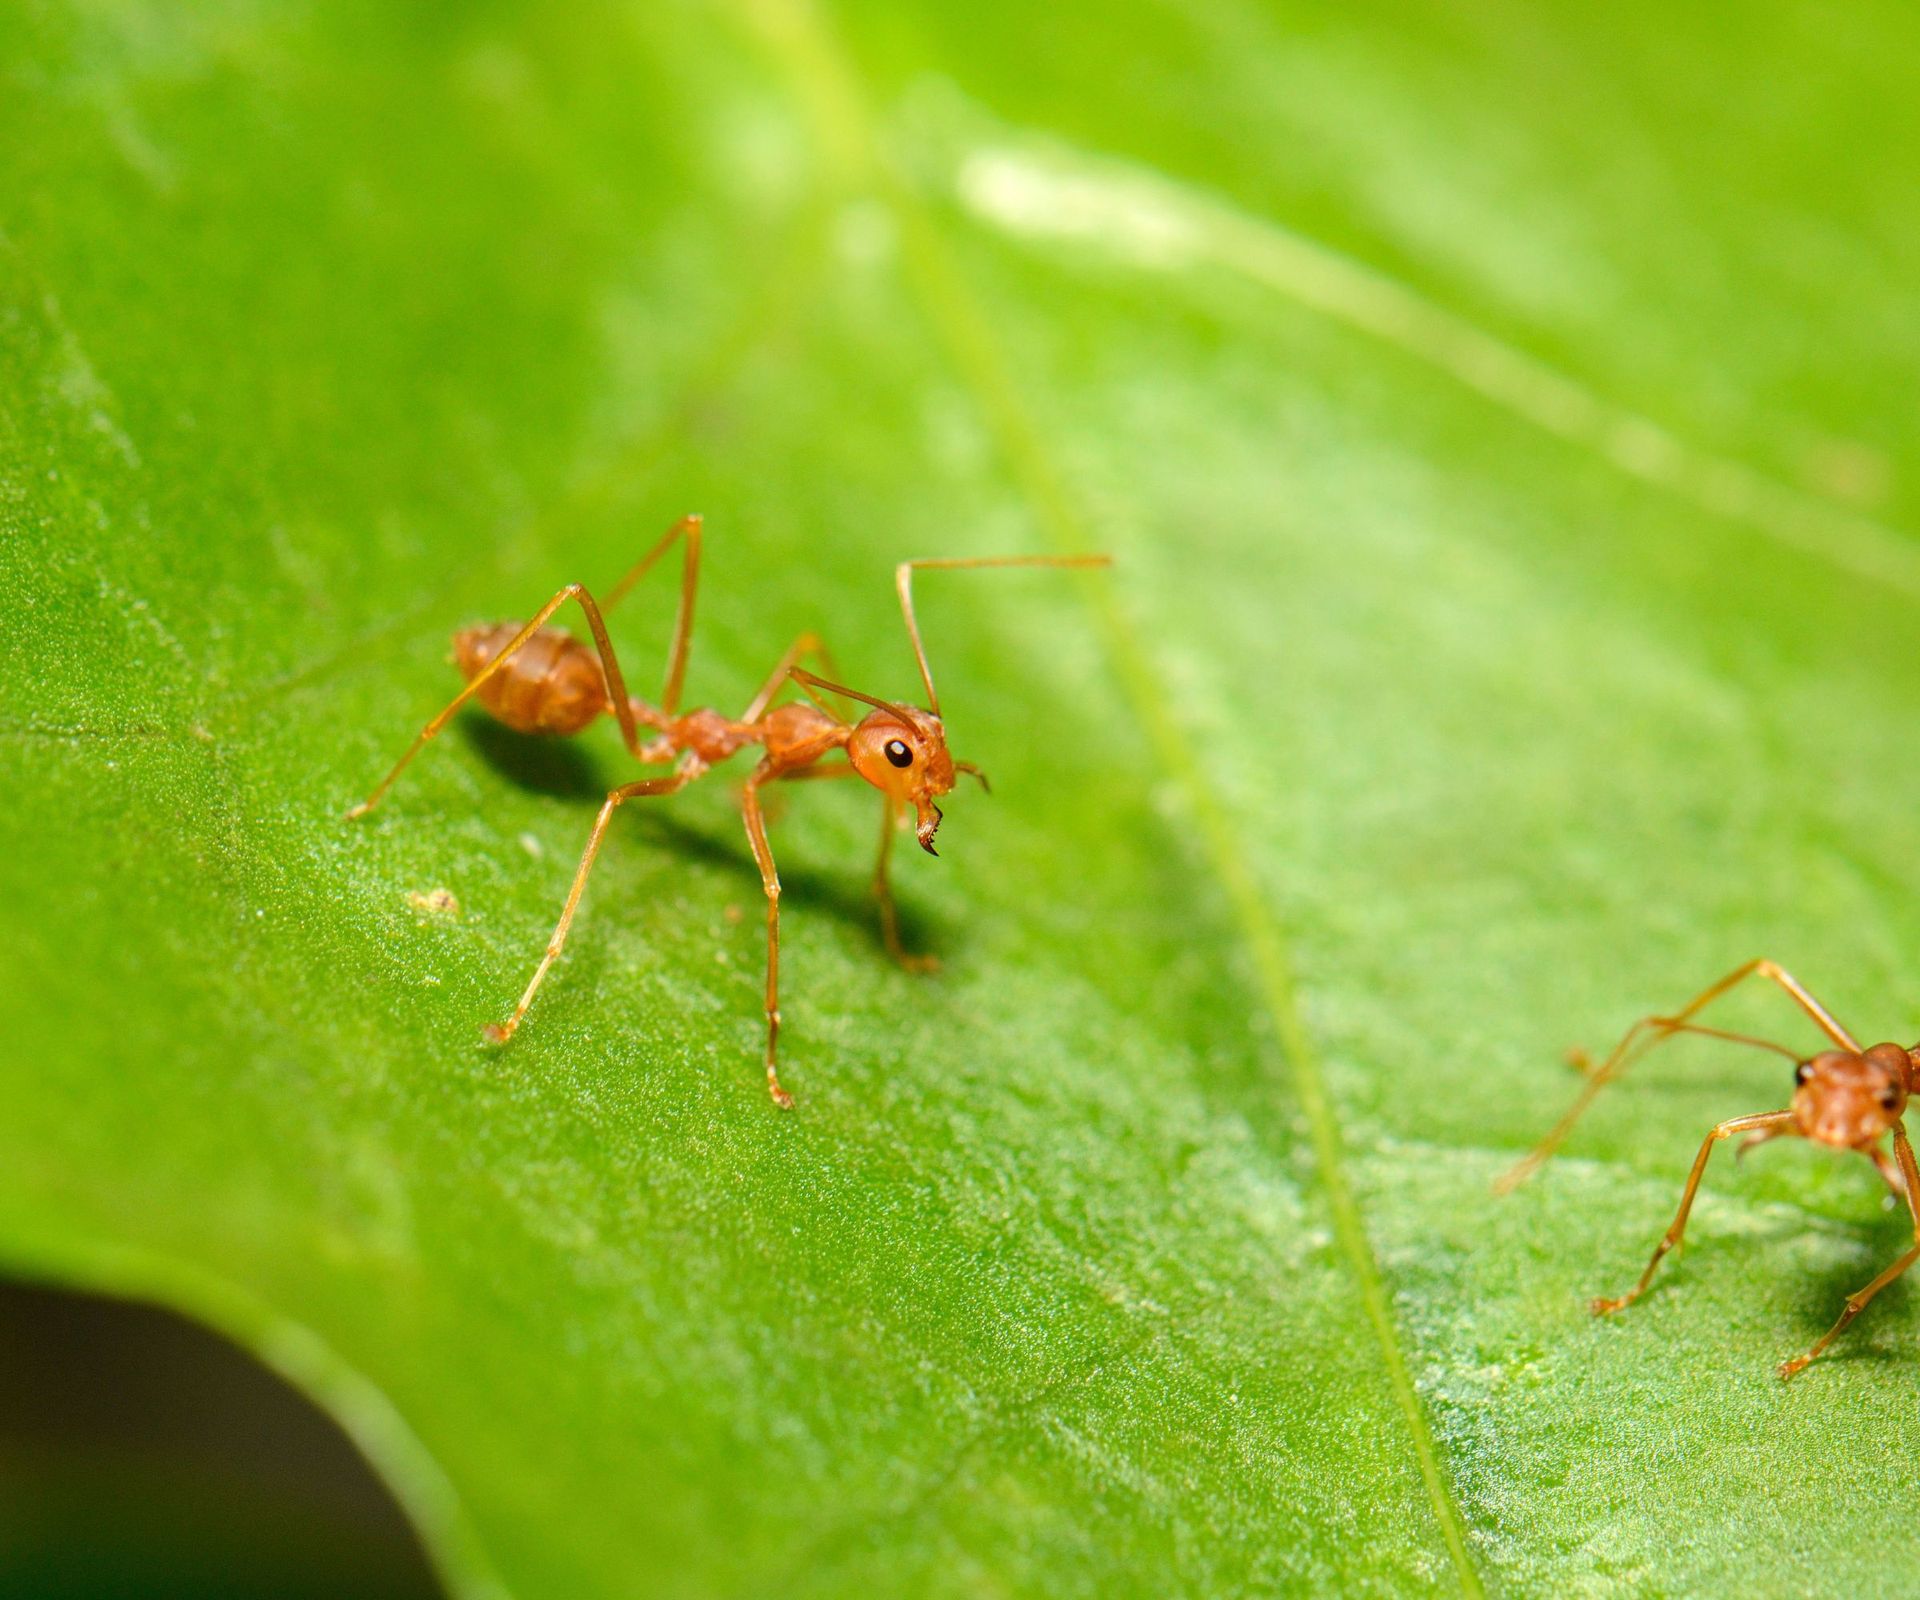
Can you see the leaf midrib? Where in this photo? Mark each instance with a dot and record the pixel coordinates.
(827, 85)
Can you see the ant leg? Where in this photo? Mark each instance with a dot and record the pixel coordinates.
(1889, 1171)
(618, 702)
(501, 1032)
(1638, 1040)
(807, 644)
(883, 891)
(769, 881)
(1650, 1031)
(1766, 1121)
(687, 528)
(1582, 1062)
(1857, 1303)
(1909, 1174)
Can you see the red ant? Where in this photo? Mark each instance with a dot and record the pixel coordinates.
(537, 679)
(1845, 1098)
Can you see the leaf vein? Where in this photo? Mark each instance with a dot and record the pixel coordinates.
(826, 82)
(1037, 190)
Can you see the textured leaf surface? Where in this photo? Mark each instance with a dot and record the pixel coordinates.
(1504, 426)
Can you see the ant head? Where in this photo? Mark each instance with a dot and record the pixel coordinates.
(1848, 1100)
(902, 752)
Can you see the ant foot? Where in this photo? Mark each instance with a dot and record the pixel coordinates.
(1601, 1306)
(780, 1096)
(1580, 1061)
(497, 1032)
(355, 813)
(1787, 1369)
(913, 963)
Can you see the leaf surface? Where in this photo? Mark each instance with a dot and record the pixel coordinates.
(1502, 427)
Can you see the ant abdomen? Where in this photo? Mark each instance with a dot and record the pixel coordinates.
(552, 684)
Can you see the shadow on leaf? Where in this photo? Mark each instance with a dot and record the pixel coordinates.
(561, 768)
(845, 895)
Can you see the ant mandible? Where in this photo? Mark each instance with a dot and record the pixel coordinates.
(538, 679)
(1846, 1098)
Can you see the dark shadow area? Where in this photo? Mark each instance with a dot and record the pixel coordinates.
(143, 1456)
(1823, 1293)
(563, 768)
(847, 895)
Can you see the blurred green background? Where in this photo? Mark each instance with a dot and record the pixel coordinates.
(1501, 417)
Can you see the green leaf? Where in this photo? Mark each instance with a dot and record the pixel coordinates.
(1502, 423)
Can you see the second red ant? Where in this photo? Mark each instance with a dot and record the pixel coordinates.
(1847, 1098)
(538, 679)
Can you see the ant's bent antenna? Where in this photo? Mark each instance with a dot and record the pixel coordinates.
(903, 581)
(811, 681)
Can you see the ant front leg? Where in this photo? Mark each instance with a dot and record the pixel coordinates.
(1890, 1173)
(1768, 1122)
(501, 1032)
(1857, 1303)
(770, 882)
(1655, 1030)
(883, 891)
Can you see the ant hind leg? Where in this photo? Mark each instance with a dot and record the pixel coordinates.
(688, 528)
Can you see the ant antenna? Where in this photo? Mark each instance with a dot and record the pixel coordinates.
(903, 581)
(811, 681)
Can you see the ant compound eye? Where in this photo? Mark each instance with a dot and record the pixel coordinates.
(1803, 1072)
(1890, 1099)
(898, 753)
